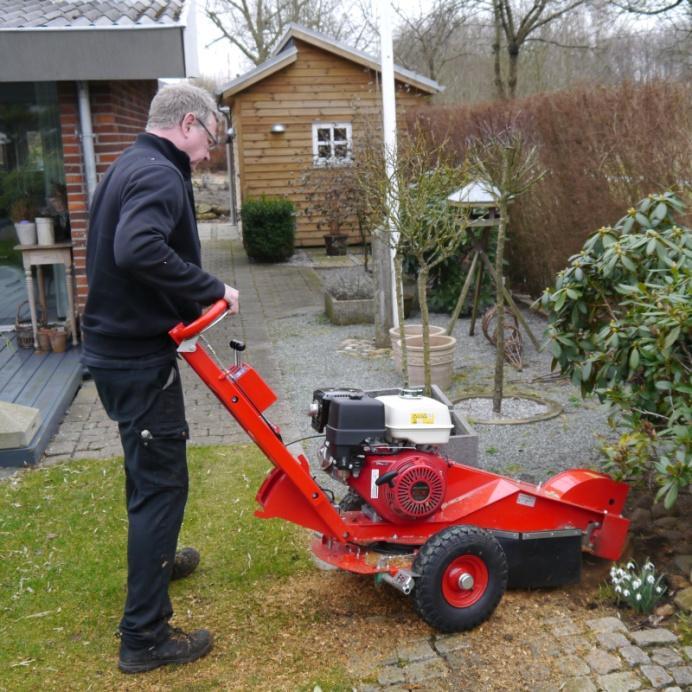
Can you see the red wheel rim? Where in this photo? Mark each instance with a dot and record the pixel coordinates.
(464, 581)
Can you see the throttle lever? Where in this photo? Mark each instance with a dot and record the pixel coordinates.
(238, 347)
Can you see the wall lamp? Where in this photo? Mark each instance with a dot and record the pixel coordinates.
(278, 129)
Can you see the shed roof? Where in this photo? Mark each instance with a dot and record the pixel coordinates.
(287, 46)
(160, 39)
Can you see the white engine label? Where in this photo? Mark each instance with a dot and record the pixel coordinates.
(374, 489)
(526, 500)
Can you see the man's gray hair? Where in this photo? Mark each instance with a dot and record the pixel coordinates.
(173, 102)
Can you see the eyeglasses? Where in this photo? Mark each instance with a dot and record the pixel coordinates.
(211, 139)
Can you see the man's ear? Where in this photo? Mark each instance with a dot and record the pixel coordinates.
(188, 121)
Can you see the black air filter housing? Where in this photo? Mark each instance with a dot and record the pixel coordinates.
(321, 400)
(351, 421)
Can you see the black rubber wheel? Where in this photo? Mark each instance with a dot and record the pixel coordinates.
(462, 577)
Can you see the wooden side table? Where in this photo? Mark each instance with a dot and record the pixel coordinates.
(38, 255)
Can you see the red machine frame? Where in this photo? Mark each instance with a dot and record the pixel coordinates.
(578, 499)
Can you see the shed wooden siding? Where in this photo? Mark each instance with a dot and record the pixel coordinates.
(318, 87)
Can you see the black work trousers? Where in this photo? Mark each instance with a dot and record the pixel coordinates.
(149, 408)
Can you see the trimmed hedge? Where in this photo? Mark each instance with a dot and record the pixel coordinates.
(602, 148)
(268, 228)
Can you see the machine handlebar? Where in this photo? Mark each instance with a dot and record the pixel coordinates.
(186, 331)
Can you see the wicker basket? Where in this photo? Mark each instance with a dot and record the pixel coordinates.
(23, 329)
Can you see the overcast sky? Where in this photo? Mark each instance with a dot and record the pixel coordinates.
(223, 62)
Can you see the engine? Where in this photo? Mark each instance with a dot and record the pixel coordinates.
(405, 486)
(384, 448)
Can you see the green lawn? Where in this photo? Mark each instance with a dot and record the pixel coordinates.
(62, 582)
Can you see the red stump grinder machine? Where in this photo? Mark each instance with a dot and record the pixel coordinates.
(453, 536)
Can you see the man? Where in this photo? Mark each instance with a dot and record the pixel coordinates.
(143, 269)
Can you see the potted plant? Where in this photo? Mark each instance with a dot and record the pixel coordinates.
(332, 204)
(429, 230)
(22, 213)
(58, 338)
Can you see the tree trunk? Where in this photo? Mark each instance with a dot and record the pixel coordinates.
(422, 282)
(513, 52)
(497, 45)
(499, 286)
(400, 311)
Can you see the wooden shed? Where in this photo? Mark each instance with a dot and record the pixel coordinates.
(310, 106)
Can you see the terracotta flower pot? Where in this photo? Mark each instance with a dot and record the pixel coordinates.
(58, 340)
(43, 338)
(441, 360)
(410, 330)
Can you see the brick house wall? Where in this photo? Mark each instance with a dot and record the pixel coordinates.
(118, 113)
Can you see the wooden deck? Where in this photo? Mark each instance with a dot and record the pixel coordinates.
(47, 381)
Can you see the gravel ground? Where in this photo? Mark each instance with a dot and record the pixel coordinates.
(513, 408)
(307, 349)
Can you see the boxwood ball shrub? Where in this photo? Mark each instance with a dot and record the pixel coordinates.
(268, 228)
(621, 327)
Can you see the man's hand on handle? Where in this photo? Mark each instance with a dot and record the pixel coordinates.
(232, 297)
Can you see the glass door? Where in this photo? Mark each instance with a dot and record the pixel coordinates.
(32, 182)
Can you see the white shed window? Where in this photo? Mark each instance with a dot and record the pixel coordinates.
(332, 144)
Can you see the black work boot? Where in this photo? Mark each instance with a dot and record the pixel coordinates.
(178, 647)
(186, 561)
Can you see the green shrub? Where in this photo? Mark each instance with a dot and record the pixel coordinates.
(621, 326)
(447, 279)
(268, 228)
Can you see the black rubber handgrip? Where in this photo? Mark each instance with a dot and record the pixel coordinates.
(237, 345)
(387, 478)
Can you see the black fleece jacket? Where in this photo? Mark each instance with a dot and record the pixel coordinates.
(143, 253)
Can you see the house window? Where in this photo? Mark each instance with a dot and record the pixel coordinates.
(332, 144)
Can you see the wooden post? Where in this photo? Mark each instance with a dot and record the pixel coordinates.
(381, 268)
(462, 296)
(476, 299)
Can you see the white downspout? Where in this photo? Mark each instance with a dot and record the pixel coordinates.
(87, 138)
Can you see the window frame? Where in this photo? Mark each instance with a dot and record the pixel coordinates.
(322, 162)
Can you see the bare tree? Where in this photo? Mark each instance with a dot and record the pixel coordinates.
(650, 7)
(255, 26)
(426, 41)
(508, 165)
(515, 22)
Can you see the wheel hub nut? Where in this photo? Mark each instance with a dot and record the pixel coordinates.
(466, 581)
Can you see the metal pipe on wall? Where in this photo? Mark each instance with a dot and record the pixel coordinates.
(87, 136)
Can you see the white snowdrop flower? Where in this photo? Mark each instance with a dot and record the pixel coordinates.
(649, 567)
(636, 584)
(621, 572)
(659, 589)
(630, 565)
(625, 593)
(650, 579)
(639, 597)
(618, 589)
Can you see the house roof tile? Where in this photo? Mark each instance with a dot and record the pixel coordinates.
(37, 14)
